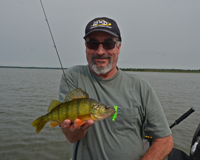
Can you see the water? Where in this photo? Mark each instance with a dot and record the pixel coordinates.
(26, 93)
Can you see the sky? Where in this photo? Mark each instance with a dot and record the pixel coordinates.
(155, 33)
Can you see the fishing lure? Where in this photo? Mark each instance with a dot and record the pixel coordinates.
(114, 115)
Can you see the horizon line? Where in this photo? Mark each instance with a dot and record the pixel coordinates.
(119, 67)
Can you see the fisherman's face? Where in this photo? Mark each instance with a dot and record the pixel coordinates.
(101, 60)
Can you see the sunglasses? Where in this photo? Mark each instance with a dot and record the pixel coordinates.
(106, 45)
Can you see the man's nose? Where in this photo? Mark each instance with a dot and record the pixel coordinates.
(100, 49)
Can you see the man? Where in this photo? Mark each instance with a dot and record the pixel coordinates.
(139, 111)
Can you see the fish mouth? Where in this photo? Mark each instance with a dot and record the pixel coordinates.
(112, 111)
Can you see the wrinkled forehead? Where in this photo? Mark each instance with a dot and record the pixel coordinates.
(100, 36)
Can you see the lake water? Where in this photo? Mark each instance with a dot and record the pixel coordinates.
(26, 93)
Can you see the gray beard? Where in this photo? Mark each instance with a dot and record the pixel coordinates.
(101, 70)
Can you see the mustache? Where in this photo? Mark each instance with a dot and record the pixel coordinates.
(100, 56)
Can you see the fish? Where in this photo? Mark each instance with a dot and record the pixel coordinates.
(77, 104)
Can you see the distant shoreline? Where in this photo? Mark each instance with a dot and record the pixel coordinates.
(124, 69)
(160, 70)
(30, 67)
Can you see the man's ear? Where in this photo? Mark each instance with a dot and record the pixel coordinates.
(118, 49)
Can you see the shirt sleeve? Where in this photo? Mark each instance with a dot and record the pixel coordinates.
(156, 124)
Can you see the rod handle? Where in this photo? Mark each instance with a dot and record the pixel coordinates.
(185, 115)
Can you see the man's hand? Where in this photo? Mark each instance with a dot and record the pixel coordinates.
(73, 132)
(68, 124)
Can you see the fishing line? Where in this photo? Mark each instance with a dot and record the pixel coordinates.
(54, 44)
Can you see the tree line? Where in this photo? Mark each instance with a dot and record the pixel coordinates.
(160, 70)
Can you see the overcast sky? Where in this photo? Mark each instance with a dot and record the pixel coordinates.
(155, 33)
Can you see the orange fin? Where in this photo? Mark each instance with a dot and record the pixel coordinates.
(54, 123)
(79, 122)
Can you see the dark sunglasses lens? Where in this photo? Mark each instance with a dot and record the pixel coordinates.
(109, 45)
(106, 45)
(91, 45)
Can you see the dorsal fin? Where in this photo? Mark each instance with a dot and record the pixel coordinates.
(77, 93)
(54, 103)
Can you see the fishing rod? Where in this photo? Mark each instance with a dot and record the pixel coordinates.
(85, 140)
(176, 122)
(185, 115)
(54, 44)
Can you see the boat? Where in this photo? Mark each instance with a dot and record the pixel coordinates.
(177, 154)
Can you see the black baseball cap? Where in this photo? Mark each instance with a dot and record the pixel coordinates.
(103, 24)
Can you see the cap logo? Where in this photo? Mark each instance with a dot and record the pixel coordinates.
(101, 23)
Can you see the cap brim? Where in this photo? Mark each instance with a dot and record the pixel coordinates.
(102, 30)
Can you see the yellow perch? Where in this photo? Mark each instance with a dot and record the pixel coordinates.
(77, 105)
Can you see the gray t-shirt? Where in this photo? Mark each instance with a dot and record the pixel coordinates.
(139, 113)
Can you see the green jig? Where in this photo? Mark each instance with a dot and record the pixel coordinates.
(114, 115)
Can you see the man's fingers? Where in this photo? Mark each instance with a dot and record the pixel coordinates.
(88, 124)
(77, 124)
(73, 128)
(66, 123)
